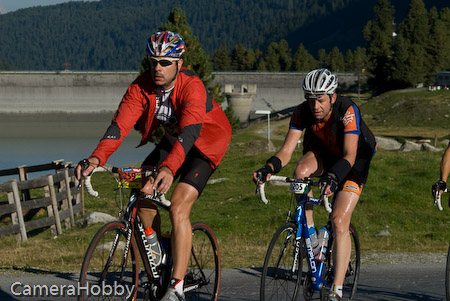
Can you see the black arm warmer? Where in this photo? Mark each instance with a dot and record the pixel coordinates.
(276, 162)
(341, 169)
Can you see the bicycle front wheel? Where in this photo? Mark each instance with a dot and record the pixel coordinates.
(108, 272)
(352, 273)
(447, 276)
(282, 271)
(202, 281)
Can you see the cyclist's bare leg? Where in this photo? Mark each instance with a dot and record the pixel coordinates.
(149, 215)
(183, 198)
(309, 165)
(343, 207)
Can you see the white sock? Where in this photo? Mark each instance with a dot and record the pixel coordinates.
(337, 289)
(177, 285)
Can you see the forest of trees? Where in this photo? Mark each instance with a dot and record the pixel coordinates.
(397, 56)
(398, 44)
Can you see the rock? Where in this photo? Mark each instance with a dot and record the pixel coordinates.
(383, 233)
(388, 144)
(95, 218)
(410, 146)
(429, 148)
(214, 181)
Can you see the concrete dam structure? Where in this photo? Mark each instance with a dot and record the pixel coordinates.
(91, 92)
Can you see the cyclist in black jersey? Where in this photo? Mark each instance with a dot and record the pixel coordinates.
(338, 147)
(441, 184)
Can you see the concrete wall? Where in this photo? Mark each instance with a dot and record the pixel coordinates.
(97, 92)
(66, 92)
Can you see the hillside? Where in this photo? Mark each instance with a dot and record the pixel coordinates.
(410, 114)
(111, 34)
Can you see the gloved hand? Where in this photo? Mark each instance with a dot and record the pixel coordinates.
(331, 180)
(438, 186)
(261, 174)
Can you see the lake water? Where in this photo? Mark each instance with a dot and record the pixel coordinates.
(43, 138)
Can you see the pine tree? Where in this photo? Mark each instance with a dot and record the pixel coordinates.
(238, 57)
(335, 60)
(303, 60)
(444, 17)
(272, 58)
(322, 58)
(438, 46)
(379, 34)
(221, 59)
(415, 31)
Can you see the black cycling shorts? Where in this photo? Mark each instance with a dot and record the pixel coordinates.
(195, 170)
(360, 169)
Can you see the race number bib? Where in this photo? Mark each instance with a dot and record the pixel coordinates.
(299, 188)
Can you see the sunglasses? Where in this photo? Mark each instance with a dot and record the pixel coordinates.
(162, 62)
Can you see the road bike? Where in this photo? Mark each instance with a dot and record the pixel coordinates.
(438, 203)
(110, 268)
(283, 277)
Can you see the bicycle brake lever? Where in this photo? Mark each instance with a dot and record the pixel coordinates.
(258, 179)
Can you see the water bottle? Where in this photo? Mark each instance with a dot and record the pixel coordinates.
(313, 237)
(153, 242)
(323, 244)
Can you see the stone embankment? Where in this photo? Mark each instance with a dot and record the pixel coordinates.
(95, 92)
(392, 144)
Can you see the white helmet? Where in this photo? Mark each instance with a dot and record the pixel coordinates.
(319, 82)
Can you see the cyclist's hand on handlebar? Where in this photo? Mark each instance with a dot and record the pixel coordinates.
(161, 183)
(328, 184)
(85, 167)
(438, 188)
(262, 175)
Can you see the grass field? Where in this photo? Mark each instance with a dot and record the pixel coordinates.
(397, 197)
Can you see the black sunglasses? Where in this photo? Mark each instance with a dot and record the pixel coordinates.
(163, 63)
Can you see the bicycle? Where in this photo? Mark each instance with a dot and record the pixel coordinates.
(283, 265)
(438, 203)
(111, 261)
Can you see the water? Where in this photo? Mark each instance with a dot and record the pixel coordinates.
(41, 139)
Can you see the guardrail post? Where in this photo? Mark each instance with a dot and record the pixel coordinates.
(23, 177)
(69, 195)
(19, 213)
(51, 186)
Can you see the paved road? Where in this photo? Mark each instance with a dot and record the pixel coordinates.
(416, 281)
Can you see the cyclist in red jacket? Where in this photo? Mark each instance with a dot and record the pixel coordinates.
(197, 134)
(338, 147)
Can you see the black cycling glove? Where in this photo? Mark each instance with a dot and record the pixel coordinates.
(440, 185)
(262, 173)
(330, 179)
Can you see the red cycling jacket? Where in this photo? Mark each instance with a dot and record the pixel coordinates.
(200, 120)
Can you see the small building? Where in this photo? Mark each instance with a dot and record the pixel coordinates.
(442, 79)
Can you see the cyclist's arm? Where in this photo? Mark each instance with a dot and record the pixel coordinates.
(284, 154)
(445, 165)
(350, 148)
(289, 145)
(126, 116)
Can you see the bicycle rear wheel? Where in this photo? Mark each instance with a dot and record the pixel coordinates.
(202, 281)
(352, 274)
(282, 271)
(106, 272)
(447, 276)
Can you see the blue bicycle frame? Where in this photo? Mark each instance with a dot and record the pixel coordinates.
(315, 269)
